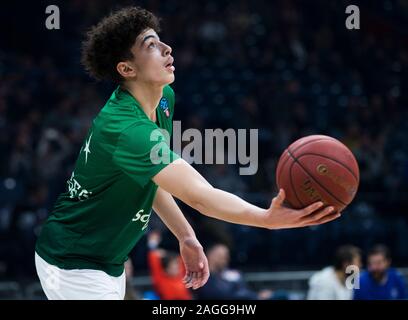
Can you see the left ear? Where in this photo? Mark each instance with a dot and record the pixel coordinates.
(126, 70)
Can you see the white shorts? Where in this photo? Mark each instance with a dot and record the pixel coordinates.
(79, 284)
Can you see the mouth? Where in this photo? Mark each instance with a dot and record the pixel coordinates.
(169, 65)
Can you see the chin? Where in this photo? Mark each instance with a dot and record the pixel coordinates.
(171, 79)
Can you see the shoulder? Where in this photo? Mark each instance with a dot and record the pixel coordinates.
(395, 273)
(322, 277)
(121, 109)
(140, 130)
(139, 138)
(143, 148)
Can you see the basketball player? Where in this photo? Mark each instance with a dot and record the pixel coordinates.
(117, 179)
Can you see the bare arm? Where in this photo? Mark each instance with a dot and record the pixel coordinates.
(170, 213)
(185, 183)
(195, 261)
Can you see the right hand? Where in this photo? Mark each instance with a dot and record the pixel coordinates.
(279, 217)
(195, 262)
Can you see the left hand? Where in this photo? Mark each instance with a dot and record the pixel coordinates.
(195, 262)
(278, 216)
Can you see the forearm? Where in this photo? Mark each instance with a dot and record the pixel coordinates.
(225, 206)
(185, 183)
(171, 215)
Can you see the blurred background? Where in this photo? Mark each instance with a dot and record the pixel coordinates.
(289, 68)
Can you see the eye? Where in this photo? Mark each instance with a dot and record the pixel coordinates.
(151, 45)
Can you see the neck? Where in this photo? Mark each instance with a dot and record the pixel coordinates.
(147, 95)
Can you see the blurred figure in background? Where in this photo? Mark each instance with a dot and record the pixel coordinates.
(130, 293)
(167, 271)
(330, 283)
(225, 283)
(380, 281)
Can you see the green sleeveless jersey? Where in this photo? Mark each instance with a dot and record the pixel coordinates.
(106, 207)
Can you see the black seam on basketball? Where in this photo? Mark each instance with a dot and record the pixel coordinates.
(304, 144)
(311, 176)
(291, 183)
(309, 142)
(330, 158)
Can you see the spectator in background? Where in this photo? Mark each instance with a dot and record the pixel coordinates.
(380, 281)
(167, 270)
(225, 283)
(330, 283)
(130, 293)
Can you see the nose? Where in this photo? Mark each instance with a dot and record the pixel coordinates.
(167, 49)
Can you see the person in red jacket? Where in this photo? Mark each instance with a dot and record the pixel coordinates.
(167, 271)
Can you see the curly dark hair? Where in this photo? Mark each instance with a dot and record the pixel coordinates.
(110, 41)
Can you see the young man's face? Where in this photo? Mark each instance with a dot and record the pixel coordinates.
(152, 61)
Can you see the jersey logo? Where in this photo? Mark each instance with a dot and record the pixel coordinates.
(164, 105)
(144, 218)
(86, 149)
(76, 190)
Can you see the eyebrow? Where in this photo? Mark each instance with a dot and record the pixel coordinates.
(148, 37)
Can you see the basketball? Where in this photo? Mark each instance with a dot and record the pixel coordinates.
(318, 168)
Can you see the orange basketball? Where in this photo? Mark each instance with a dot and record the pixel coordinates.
(317, 168)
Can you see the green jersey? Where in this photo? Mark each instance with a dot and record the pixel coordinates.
(109, 197)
